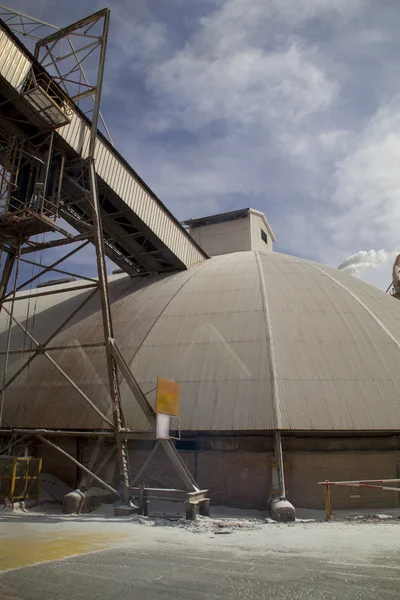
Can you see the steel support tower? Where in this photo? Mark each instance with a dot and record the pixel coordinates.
(53, 199)
(32, 172)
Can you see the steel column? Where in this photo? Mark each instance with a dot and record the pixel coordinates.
(102, 273)
(279, 461)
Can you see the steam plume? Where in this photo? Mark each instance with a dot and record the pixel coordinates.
(364, 259)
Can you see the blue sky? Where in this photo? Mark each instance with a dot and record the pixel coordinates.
(289, 107)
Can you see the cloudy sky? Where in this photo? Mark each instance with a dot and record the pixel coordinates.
(291, 107)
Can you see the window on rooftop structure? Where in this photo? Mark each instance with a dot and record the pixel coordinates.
(264, 236)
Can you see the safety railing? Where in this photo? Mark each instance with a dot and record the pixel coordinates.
(19, 478)
(363, 483)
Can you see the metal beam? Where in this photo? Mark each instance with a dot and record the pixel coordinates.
(78, 464)
(56, 243)
(6, 274)
(61, 371)
(8, 342)
(36, 264)
(22, 14)
(133, 384)
(52, 336)
(146, 463)
(63, 32)
(51, 292)
(46, 270)
(53, 348)
(180, 467)
(176, 461)
(48, 222)
(109, 433)
(118, 418)
(84, 94)
(171, 494)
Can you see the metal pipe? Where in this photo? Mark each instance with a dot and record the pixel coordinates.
(80, 465)
(328, 502)
(279, 460)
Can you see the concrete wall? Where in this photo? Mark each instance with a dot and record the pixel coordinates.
(237, 470)
(57, 464)
(80, 448)
(233, 236)
(304, 469)
(223, 238)
(237, 479)
(257, 243)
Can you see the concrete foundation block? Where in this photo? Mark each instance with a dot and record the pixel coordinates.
(125, 511)
(191, 511)
(72, 502)
(204, 508)
(282, 510)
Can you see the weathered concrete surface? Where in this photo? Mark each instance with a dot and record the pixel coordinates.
(282, 510)
(232, 478)
(196, 571)
(237, 470)
(304, 469)
(72, 502)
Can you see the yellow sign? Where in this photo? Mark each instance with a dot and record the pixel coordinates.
(168, 397)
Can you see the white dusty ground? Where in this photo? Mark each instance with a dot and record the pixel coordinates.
(43, 533)
(349, 532)
(46, 555)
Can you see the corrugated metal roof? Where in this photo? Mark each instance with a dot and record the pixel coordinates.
(14, 65)
(334, 341)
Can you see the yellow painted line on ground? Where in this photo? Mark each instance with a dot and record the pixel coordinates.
(24, 551)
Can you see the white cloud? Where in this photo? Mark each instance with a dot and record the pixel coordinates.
(368, 184)
(236, 68)
(271, 103)
(248, 94)
(247, 86)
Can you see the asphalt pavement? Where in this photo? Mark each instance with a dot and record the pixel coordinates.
(189, 572)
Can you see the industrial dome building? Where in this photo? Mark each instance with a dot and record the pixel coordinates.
(260, 342)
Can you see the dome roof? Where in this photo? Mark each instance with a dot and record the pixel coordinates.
(259, 341)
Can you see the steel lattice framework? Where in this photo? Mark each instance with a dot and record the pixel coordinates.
(64, 53)
(39, 184)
